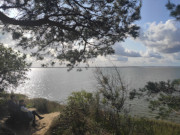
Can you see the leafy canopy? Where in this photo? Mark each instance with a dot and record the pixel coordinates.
(70, 30)
(174, 9)
(13, 68)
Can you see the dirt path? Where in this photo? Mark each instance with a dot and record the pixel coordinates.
(44, 124)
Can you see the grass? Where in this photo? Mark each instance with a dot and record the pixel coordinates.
(155, 127)
(138, 126)
(43, 105)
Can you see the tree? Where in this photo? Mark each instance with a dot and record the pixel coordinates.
(13, 68)
(112, 89)
(70, 30)
(163, 97)
(174, 10)
(113, 95)
(99, 113)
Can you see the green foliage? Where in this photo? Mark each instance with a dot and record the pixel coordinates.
(78, 118)
(154, 127)
(157, 87)
(13, 68)
(133, 94)
(16, 35)
(43, 105)
(86, 113)
(112, 89)
(113, 93)
(92, 26)
(174, 10)
(162, 96)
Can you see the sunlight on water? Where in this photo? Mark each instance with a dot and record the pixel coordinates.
(57, 84)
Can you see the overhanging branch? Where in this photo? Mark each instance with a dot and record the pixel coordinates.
(32, 23)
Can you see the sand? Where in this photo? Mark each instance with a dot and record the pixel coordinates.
(44, 124)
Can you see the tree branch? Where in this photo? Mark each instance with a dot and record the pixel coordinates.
(7, 20)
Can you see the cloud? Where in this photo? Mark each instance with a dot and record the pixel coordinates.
(123, 59)
(162, 37)
(161, 42)
(174, 49)
(151, 54)
(6, 39)
(176, 56)
(119, 50)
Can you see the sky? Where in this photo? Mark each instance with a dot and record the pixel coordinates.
(157, 45)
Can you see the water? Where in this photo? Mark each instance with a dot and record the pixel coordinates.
(57, 83)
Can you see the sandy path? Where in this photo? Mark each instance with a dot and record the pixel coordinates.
(44, 124)
(41, 128)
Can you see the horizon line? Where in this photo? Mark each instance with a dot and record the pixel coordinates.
(105, 67)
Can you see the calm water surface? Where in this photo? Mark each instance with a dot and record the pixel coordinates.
(57, 83)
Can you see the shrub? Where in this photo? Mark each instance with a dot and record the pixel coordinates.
(81, 116)
(163, 97)
(43, 105)
(77, 117)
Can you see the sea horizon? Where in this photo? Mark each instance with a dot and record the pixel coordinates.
(106, 67)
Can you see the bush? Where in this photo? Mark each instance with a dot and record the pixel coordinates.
(43, 105)
(83, 115)
(77, 117)
(163, 97)
(155, 127)
(104, 113)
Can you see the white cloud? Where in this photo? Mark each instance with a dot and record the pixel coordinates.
(161, 41)
(176, 56)
(162, 37)
(152, 54)
(6, 39)
(120, 50)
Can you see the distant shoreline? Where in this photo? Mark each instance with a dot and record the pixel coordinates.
(117, 67)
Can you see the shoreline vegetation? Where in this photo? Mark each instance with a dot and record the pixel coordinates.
(104, 112)
(48, 109)
(72, 33)
(81, 115)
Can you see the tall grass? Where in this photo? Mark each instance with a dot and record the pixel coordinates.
(155, 127)
(43, 105)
